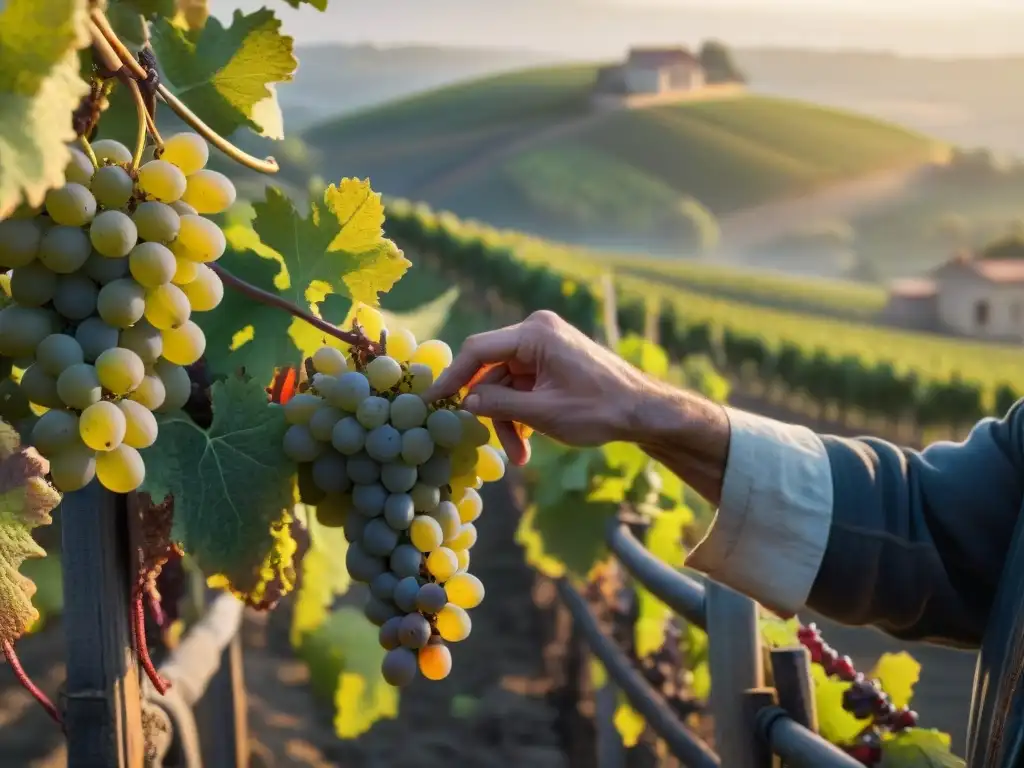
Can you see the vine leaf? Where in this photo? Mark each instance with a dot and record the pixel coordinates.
(628, 722)
(324, 577)
(665, 542)
(344, 658)
(232, 488)
(339, 247)
(897, 673)
(39, 89)
(919, 748)
(26, 500)
(224, 73)
(835, 723)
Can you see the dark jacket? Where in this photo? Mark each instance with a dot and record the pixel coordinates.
(928, 546)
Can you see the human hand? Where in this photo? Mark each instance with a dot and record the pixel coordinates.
(546, 374)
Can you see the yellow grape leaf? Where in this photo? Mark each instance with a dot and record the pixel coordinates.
(835, 723)
(665, 542)
(26, 500)
(918, 748)
(778, 632)
(598, 674)
(324, 577)
(897, 673)
(628, 722)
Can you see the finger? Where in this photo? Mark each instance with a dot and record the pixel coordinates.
(502, 403)
(517, 448)
(479, 350)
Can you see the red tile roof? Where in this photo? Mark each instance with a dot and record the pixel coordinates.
(654, 58)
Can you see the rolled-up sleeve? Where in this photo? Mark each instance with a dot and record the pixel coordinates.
(772, 527)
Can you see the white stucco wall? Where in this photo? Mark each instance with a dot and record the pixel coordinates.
(958, 300)
(643, 80)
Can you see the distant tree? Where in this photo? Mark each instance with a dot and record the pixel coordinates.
(1009, 247)
(694, 225)
(718, 63)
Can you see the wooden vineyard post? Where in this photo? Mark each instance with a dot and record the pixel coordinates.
(102, 708)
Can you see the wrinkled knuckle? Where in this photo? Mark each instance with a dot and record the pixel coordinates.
(545, 318)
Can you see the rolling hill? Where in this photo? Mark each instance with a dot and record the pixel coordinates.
(525, 150)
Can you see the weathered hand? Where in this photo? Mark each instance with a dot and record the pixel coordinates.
(546, 374)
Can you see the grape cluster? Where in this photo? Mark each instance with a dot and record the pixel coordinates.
(103, 281)
(863, 699)
(401, 477)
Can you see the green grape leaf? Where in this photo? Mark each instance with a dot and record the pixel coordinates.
(126, 17)
(344, 658)
(339, 246)
(565, 537)
(694, 643)
(665, 542)
(778, 632)
(897, 673)
(324, 577)
(628, 722)
(835, 723)
(645, 355)
(225, 73)
(26, 500)
(919, 748)
(40, 87)
(233, 488)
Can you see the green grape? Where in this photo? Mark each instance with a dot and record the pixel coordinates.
(177, 386)
(111, 151)
(435, 354)
(330, 474)
(399, 511)
(388, 637)
(71, 205)
(119, 370)
(352, 389)
(453, 623)
(33, 285)
(362, 566)
(156, 222)
(161, 181)
(431, 598)
(55, 431)
(384, 443)
(489, 465)
(301, 407)
(151, 393)
(19, 241)
(435, 662)
(369, 498)
(104, 270)
(383, 373)
(79, 386)
(417, 446)
(75, 297)
(405, 561)
(185, 272)
(465, 538)
(151, 264)
(209, 192)
(95, 337)
(113, 234)
(322, 422)
(112, 186)
(65, 249)
(425, 534)
(121, 303)
(167, 307)
(470, 506)
(140, 424)
(329, 360)
(373, 412)
(462, 555)
(40, 387)
(437, 470)
(399, 667)
(73, 468)
(415, 631)
(79, 169)
(182, 208)
(420, 378)
(323, 385)
(299, 444)
(187, 151)
(442, 563)
(200, 240)
(102, 426)
(378, 539)
(185, 345)
(398, 477)
(206, 291)
(362, 469)
(473, 431)
(401, 344)
(348, 436)
(465, 591)
(445, 427)
(408, 411)
(22, 328)
(425, 497)
(120, 470)
(144, 340)
(58, 351)
(404, 595)
(447, 516)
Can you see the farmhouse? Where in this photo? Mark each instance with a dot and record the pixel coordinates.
(652, 71)
(966, 296)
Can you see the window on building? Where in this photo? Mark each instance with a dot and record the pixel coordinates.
(981, 313)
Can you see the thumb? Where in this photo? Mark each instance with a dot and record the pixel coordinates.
(505, 403)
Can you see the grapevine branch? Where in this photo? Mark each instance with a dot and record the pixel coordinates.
(119, 61)
(27, 684)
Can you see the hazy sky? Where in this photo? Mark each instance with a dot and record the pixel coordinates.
(599, 28)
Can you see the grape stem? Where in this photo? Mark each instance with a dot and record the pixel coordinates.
(119, 60)
(143, 118)
(355, 338)
(87, 149)
(26, 682)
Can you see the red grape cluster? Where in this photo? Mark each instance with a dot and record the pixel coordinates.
(863, 699)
